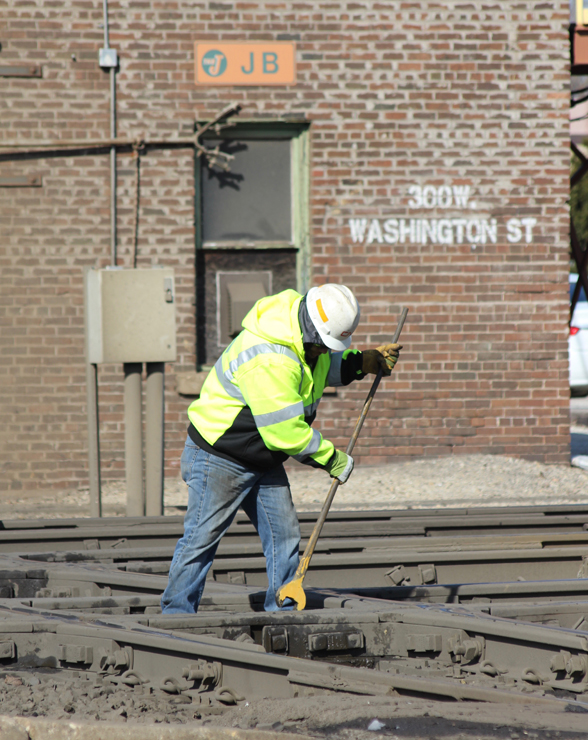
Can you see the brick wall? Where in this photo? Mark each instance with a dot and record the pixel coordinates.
(406, 101)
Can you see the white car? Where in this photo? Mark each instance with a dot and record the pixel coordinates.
(578, 343)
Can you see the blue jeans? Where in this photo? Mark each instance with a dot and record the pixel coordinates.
(216, 490)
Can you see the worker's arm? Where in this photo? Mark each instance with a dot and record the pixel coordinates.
(345, 367)
(270, 389)
(355, 365)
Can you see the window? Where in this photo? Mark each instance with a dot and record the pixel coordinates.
(252, 202)
(252, 227)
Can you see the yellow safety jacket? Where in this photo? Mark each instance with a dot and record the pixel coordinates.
(258, 402)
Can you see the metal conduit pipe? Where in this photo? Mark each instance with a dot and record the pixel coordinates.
(93, 440)
(113, 255)
(133, 371)
(154, 418)
(133, 439)
(92, 415)
(113, 235)
(105, 11)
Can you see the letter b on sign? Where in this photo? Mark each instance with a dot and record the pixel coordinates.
(269, 62)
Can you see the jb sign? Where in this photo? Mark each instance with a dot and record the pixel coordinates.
(248, 63)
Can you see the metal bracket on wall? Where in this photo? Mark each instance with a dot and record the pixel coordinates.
(24, 70)
(21, 181)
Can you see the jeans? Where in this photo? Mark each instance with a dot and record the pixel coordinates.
(216, 489)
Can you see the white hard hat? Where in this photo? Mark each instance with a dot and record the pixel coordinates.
(334, 311)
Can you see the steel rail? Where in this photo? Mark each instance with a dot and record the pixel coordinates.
(335, 546)
(393, 568)
(474, 594)
(501, 513)
(543, 595)
(20, 580)
(381, 566)
(32, 535)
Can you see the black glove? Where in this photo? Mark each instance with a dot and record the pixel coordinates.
(384, 357)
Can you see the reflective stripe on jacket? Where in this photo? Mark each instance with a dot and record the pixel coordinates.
(258, 402)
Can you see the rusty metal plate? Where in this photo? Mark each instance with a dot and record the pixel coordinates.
(21, 181)
(21, 70)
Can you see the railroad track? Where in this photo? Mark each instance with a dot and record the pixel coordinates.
(35, 535)
(379, 561)
(484, 605)
(352, 644)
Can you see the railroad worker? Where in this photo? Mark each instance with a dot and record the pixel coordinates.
(256, 409)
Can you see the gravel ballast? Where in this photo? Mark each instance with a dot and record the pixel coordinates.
(447, 482)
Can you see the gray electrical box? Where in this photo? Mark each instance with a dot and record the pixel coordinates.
(130, 315)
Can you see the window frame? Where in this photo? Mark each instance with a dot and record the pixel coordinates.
(299, 135)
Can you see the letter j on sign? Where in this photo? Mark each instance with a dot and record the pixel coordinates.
(247, 63)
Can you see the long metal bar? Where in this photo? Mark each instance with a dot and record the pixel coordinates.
(105, 23)
(367, 569)
(358, 427)
(113, 183)
(122, 549)
(390, 567)
(113, 204)
(429, 524)
(133, 439)
(230, 110)
(93, 440)
(478, 595)
(293, 589)
(507, 599)
(92, 415)
(355, 563)
(85, 144)
(497, 516)
(154, 438)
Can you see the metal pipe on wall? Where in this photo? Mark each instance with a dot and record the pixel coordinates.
(105, 13)
(113, 235)
(133, 439)
(93, 440)
(92, 368)
(92, 416)
(154, 425)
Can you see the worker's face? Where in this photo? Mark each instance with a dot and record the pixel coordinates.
(315, 350)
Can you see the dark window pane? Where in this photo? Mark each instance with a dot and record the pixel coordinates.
(252, 201)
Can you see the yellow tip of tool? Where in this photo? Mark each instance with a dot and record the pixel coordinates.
(292, 590)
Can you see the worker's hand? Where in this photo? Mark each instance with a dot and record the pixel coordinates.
(340, 466)
(384, 357)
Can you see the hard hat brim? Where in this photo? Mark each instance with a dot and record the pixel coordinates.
(335, 344)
